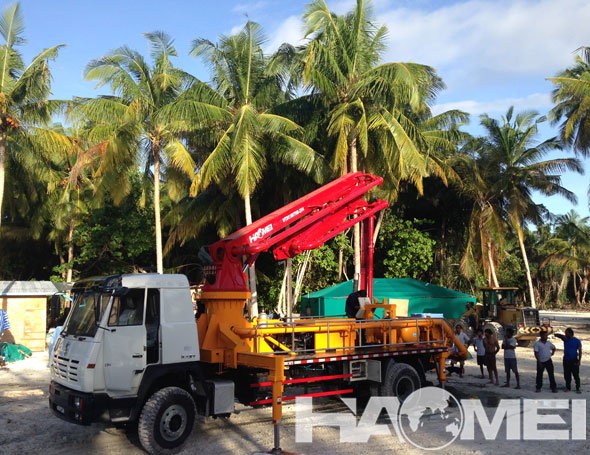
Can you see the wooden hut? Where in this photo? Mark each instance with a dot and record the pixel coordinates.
(25, 303)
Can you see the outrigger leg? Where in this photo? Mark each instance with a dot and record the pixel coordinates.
(440, 369)
(277, 378)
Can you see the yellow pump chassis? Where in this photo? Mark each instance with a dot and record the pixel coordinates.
(228, 339)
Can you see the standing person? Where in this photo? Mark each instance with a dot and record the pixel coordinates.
(492, 347)
(544, 349)
(509, 346)
(481, 350)
(352, 303)
(464, 339)
(572, 358)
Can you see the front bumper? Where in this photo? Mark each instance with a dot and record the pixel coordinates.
(532, 332)
(73, 406)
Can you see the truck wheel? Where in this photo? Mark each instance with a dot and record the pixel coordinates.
(166, 420)
(400, 381)
(496, 329)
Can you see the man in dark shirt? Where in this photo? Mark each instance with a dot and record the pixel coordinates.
(352, 303)
(572, 357)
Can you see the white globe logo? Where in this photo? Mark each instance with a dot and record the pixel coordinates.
(429, 411)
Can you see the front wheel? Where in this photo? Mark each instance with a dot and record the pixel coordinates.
(166, 420)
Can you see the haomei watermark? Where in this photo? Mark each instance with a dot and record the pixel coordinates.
(432, 418)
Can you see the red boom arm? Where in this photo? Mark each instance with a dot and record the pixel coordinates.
(304, 224)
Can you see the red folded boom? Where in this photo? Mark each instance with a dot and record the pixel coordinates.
(304, 224)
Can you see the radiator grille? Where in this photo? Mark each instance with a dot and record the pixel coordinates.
(530, 317)
(66, 368)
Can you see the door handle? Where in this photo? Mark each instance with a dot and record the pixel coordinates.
(137, 356)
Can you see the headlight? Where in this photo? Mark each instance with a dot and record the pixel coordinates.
(78, 402)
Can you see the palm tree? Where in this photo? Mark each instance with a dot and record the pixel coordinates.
(570, 249)
(486, 228)
(25, 109)
(138, 121)
(249, 135)
(571, 97)
(70, 196)
(368, 105)
(521, 170)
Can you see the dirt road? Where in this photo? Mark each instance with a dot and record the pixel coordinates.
(27, 426)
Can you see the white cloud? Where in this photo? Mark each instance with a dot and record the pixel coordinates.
(289, 31)
(502, 36)
(540, 102)
(236, 29)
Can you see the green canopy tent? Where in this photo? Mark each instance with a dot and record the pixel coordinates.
(411, 296)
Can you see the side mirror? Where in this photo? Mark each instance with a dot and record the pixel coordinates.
(120, 292)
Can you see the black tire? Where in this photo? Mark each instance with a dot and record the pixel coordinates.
(166, 420)
(526, 343)
(400, 381)
(496, 329)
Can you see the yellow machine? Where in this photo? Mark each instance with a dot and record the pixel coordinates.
(229, 340)
(499, 310)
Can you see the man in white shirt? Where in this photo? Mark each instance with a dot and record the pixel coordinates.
(544, 349)
(509, 346)
(481, 351)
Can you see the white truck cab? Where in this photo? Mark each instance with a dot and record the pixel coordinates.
(127, 337)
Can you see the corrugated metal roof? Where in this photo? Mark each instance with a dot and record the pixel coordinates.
(26, 288)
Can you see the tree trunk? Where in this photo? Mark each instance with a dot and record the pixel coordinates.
(378, 227)
(2, 164)
(442, 253)
(70, 250)
(159, 259)
(340, 261)
(525, 259)
(562, 284)
(62, 261)
(301, 276)
(576, 289)
(357, 227)
(492, 267)
(253, 305)
(289, 286)
(584, 286)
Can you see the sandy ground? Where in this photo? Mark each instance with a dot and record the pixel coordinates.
(27, 426)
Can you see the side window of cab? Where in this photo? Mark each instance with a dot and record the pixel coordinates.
(127, 309)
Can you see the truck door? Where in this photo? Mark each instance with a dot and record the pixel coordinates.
(124, 342)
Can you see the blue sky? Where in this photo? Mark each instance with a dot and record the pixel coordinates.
(491, 54)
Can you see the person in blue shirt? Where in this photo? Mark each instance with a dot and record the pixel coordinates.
(572, 357)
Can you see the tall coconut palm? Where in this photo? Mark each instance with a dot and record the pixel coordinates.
(250, 135)
(571, 97)
(486, 228)
(70, 196)
(25, 109)
(340, 67)
(518, 157)
(131, 125)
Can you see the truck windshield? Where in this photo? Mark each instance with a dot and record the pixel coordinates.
(86, 314)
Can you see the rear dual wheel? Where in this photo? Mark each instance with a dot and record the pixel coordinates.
(400, 380)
